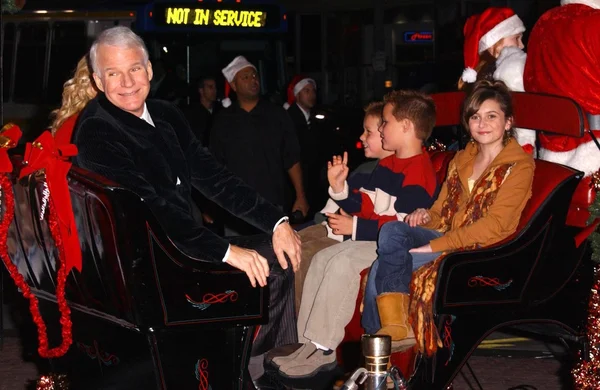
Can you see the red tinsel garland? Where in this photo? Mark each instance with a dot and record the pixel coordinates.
(65, 312)
(587, 372)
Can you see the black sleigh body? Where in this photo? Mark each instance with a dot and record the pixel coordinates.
(144, 315)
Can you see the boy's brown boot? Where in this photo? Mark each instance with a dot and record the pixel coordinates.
(393, 313)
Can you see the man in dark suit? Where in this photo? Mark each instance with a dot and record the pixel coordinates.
(301, 99)
(148, 147)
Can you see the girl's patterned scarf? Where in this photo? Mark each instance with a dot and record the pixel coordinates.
(424, 280)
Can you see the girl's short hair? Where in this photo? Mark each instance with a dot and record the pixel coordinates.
(484, 90)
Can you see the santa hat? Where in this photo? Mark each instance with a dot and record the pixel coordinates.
(590, 3)
(483, 31)
(296, 85)
(238, 63)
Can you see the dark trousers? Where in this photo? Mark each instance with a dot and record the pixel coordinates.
(281, 328)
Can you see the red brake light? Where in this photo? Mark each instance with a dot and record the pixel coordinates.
(358, 145)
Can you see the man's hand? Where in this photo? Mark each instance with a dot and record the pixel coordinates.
(418, 217)
(249, 261)
(422, 249)
(337, 172)
(287, 241)
(340, 223)
(301, 204)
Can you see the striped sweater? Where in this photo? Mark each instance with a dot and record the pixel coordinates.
(396, 187)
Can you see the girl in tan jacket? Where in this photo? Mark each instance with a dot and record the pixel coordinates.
(480, 203)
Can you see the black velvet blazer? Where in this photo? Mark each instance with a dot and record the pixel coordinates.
(161, 164)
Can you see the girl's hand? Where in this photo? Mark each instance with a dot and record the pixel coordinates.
(422, 249)
(418, 217)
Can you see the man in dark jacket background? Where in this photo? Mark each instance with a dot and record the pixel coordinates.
(256, 140)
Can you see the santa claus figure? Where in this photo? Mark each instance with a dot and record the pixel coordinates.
(563, 59)
(493, 50)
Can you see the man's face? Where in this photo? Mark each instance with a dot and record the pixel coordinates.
(209, 91)
(307, 97)
(123, 77)
(246, 83)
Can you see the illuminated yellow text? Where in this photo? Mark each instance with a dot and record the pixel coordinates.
(218, 17)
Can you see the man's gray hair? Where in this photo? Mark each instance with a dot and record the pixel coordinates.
(119, 36)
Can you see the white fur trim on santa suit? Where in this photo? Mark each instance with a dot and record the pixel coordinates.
(506, 28)
(590, 3)
(510, 66)
(238, 63)
(303, 83)
(585, 157)
(526, 137)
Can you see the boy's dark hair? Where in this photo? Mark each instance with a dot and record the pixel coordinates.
(415, 106)
(374, 109)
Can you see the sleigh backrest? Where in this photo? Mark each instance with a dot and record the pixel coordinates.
(541, 112)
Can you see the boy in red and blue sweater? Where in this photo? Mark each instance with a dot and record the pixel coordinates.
(399, 184)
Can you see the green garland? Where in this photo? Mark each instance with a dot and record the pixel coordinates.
(595, 236)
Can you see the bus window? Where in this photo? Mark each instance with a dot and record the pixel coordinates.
(8, 45)
(69, 44)
(29, 73)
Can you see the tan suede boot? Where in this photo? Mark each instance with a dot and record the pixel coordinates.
(393, 313)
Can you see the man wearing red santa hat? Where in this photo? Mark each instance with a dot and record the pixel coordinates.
(563, 60)
(493, 49)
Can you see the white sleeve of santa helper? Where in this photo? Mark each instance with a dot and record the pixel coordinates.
(510, 66)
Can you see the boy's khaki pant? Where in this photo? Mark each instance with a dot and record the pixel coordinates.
(314, 238)
(330, 291)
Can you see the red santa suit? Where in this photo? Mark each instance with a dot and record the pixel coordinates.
(564, 59)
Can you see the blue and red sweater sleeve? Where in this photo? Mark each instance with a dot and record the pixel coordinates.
(395, 186)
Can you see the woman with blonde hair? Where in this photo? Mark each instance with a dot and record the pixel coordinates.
(77, 92)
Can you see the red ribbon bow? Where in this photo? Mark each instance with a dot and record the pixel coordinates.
(45, 154)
